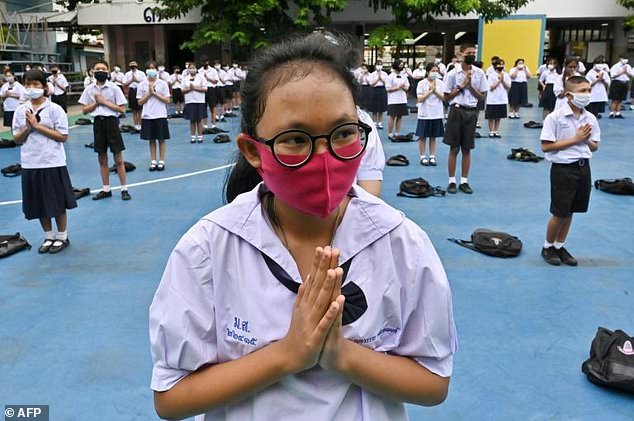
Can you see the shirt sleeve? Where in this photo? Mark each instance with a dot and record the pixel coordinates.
(164, 89)
(484, 84)
(19, 120)
(450, 81)
(549, 131)
(595, 135)
(373, 161)
(86, 98)
(558, 86)
(141, 90)
(182, 316)
(119, 98)
(62, 82)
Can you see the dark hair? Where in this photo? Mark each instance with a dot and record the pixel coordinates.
(151, 63)
(575, 80)
(292, 59)
(465, 46)
(100, 61)
(599, 60)
(35, 75)
(429, 67)
(494, 58)
(517, 61)
(396, 64)
(567, 61)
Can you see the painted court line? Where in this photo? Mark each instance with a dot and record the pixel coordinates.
(145, 183)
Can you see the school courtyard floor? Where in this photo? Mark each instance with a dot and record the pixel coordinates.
(74, 326)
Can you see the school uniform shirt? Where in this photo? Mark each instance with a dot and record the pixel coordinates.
(164, 76)
(222, 76)
(11, 103)
(219, 301)
(109, 91)
(228, 76)
(176, 80)
(88, 80)
(549, 76)
(60, 84)
(374, 77)
(153, 108)
(396, 80)
(442, 69)
(209, 73)
(541, 69)
(132, 79)
(238, 75)
(117, 78)
(598, 92)
(364, 78)
(419, 74)
(432, 108)
(40, 151)
(192, 96)
(558, 88)
(520, 76)
(456, 78)
(373, 160)
(489, 70)
(562, 124)
(618, 68)
(499, 95)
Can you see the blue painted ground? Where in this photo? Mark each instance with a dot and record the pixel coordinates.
(74, 326)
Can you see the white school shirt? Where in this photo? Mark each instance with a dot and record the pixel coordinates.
(549, 76)
(109, 91)
(60, 85)
(419, 74)
(176, 80)
(219, 301)
(209, 73)
(490, 70)
(432, 108)
(558, 88)
(117, 78)
(89, 80)
(363, 78)
(457, 76)
(562, 124)
(499, 95)
(228, 77)
(153, 108)
(164, 76)
(396, 80)
(238, 75)
(10, 103)
(192, 96)
(442, 69)
(374, 76)
(373, 160)
(618, 68)
(222, 75)
(139, 77)
(520, 77)
(40, 151)
(598, 92)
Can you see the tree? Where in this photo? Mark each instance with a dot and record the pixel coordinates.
(257, 22)
(72, 28)
(628, 25)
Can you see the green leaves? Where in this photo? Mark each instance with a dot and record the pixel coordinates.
(628, 24)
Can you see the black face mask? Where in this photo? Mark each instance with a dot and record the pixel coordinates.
(101, 76)
(499, 69)
(54, 72)
(469, 59)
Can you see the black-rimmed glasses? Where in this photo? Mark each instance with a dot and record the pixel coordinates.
(294, 148)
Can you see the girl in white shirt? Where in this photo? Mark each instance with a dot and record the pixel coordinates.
(305, 296)
(599, 79)
(518, 94)
(430, 97)
(571, 66)
(194, 87)
(89, 79)
(396, 86)
(153, 95)
(11, 92)
(41, 127)
(177, 94)
(547, 81)
(378, 79)
(363, 77)
(497, 98)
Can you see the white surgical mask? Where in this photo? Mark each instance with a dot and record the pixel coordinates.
(217, 66)
(580, 100)
(33, 93)
(624, 61)
(161, 68)
(421, 67)
(235, 66)
(433, 75)
(379, 67)
(520, 65)
(437, 61)
(117, 69)
(551, 66)
(10, 79)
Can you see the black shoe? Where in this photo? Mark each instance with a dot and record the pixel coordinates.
(551, 256)
(599, 116)
(619, 116)
(465, 188)
(611, 115)
(160, 166)
(102, 195)
(59, 245)
(566, 258)
(477, 135)
(125, 195)
(451, 188)
(45, 247)
(153, 166)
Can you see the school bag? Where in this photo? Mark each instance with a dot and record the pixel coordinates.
(409, 137)
(11, 244)
(533, 125)
(611, 362)
(221, 138)
(492, 243)
(79, 193)
(418, 188)
(12, 170)
(214, 130)
(82, 121)
(621, 186)
(397, 161)
(129, 167)
(7, 143)
(523, 155)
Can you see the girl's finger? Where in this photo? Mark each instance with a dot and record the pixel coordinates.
(310, 279)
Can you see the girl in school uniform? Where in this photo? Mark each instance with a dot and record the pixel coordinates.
(89, 79)
(418, 74)
(378, 79)
(304, 294)
(396, 86)
(177, 94)
(518, 94)
(41, 127)
(599, 79)
(497, 98)
(571, 66)
(430, 97)
(547, 81)
(11, 92)
(153, 95)
(194, 88)
(363, 77)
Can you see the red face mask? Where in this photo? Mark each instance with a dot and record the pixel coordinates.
(316, 188)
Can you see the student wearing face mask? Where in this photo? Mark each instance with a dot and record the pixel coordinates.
(228, 94)
(599, 79)
(132, 79)
(418, 74)
(41, 128)
(429, 98)
(442, 69)
(396, 86)
(569, 137)
(60, 86)
(518, 94)
(210, 74)
(491, 68)
(175, 82)
(621, 74)
(237, 75)
(116, 77)
(194, 87)
(571, 64)
(340, 307)
(221, 91)
(497, 98)
(11, 92)
(363, 78)
(153, 95)
(378, 79)
(547, 81)
(89, 79)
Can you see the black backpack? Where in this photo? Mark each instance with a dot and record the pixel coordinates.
(409, 137)
(611, 362)
(524, 155)
(492, 243)
(11, 244)
(12, 170)
(129, 167)
(7, 143)
(622, 186)
(417, 188)
(221, 138)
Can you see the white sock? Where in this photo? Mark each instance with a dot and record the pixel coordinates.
(558, 245)
(153, 162)
(423, 156)
(463, 180)
(193, 137)
(161, 161)
(48, 235)
(452, 180)
(432, 156)
(124, 187)
(62, 235)
(106, 188)
(618, 113)
(547, 244)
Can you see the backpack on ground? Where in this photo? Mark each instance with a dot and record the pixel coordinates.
(397, 161)
(409, 137)
(79, 193)
(221, 138)
(7, 143)
(129, 167)
(418, 188)
(83, 121)
(524, 155)
(492, 243)
(11, 244)
(533, 125)
(214, 130)
(12, 170)
(622, 186)
(611, 362)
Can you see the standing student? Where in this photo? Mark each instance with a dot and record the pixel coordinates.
(378, 79)
(418, 74)
(570, 69)
(41, 128)
(153, 95)
(177, 95)
(210, 76)
(442, 69)
(363, 78)
(430, 98)
(491, 69)
(132, 79)
(312, 340)
(89, 79)
(497, 98)
(60, 86)
(518, 94)
(220, 91)
(237, 76)
(547, 81)
(105, 102)
(569, 136)
(396, 86)
(621, 74)
(116, 77)
(194, 88)
(228, 95)
(465, 84)
(163, 74)
(11, 93)
(599, 79)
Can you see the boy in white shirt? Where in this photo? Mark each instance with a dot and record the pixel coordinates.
(11, 92)
(599, 79)
(132, 79)
(396, 86)
(177, 94)
(621, 74)
(497, 98)
(60, 85)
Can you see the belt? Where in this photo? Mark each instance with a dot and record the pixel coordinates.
(464, 107)
(104, 117)
(578, 163)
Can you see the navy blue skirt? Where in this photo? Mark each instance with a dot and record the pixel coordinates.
(518, 94)
(46, 192)
(430, 128)
(155, 129)
(195, 111)
(379, 100)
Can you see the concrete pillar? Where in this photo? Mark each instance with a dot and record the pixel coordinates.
(107, 42)
(619, 40)
(159, 44)
(449, 45)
